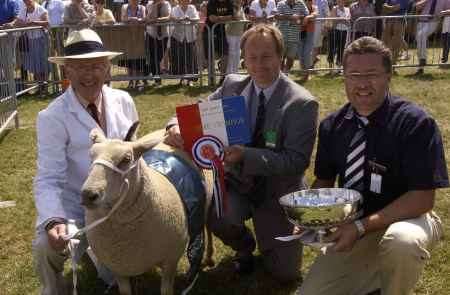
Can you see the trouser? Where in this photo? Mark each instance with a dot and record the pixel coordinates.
(183, 58)
(393, 36)
(445, 46)
(424, 30)
(156, 50)
(234, 53)
(336, 45)
(390, 260)
(305, 49)
(282, 261)
(49, 265)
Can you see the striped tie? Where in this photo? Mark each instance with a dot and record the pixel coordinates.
(354, 173)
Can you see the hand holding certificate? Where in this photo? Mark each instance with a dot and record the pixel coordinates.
(208, 127)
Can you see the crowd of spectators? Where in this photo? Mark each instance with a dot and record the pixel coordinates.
(183, 49)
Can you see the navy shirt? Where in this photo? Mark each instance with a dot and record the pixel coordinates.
(402, 140)
(9, 10)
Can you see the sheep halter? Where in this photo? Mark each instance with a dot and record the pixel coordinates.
(122, 194)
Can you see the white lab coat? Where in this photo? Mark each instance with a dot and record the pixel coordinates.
(63, 150)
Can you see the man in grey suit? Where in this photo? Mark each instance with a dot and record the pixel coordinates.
(283, 118)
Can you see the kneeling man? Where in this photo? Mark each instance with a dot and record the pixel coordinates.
(391, 151)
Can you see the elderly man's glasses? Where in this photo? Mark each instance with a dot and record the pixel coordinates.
(96, 68)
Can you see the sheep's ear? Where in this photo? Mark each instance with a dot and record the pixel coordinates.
(147, 142)
(132, 132)
(97, 135)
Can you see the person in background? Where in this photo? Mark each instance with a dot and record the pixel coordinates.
(337, 36)
(9, 10)
(103, 16)
(134, 13)
(183, 58)
(371, 145)
(290, 13)
(234, 32)
(283, 120)
(394, 28)
(63, 145)
(358, 9)
(263, 11)
(306, 44)
(35, 56)
(445, 35)
(55, 10)
(323, 11)
(218, 12)
(202, 58)
(157, 35)
(79, 13)
(427, 26)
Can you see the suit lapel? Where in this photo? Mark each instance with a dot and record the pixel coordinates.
(110, 105)
(77, 110)
(278, 97)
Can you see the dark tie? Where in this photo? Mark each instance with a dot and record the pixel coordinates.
(94, 112)
(354, 172)
(258, 134)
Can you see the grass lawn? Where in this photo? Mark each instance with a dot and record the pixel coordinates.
(17, 168)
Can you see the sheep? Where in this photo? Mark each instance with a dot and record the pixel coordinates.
(149, 225)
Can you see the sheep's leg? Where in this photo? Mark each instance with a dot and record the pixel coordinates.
(169, 270)
(209, 261)
(124, 285)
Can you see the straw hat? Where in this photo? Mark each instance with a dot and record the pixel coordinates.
(83, 44)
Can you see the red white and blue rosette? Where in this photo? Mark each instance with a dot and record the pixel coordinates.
(208, 152)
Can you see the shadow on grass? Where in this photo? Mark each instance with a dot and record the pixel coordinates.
(218, 280)
(4, 134)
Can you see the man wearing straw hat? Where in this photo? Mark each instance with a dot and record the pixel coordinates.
(63, 148)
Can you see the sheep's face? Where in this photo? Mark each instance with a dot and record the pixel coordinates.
(103, 186)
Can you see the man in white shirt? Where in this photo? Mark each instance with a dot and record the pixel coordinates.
(63, 149)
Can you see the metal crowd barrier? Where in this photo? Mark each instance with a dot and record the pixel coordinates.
(158, 51)
(402, 34)
(154, 52)
(30, 48)
(8, 101)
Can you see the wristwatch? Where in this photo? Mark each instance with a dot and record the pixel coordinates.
(360, 227)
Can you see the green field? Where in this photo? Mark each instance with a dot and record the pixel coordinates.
(156, 105)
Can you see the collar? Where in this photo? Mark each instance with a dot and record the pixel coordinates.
(269, 90)
(378, 117)
(84, 103)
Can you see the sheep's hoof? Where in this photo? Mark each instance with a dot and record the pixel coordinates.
(209, 262)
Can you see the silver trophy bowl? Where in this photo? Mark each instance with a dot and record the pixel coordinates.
(319, 210)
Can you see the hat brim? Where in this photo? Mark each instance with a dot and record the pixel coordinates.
(60, 60)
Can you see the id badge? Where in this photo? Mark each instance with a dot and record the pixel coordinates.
(271, 138)
(375, 183)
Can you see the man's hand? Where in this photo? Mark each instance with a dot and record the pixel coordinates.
(173, 137)
(345, 237)
(55, 236)
(234, 154)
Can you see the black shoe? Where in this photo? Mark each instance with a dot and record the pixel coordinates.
(244, 265)
(419, 72)
(376, 292)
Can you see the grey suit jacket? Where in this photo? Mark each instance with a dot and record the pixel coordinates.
(292, 114)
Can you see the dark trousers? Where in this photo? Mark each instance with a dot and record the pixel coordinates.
(156, 49)
(183, 58)
(336, 45)
(445, 46)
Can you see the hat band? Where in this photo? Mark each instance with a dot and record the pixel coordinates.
(83, 47)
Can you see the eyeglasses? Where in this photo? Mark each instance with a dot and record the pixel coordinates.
(356, 77)
(97, 67)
